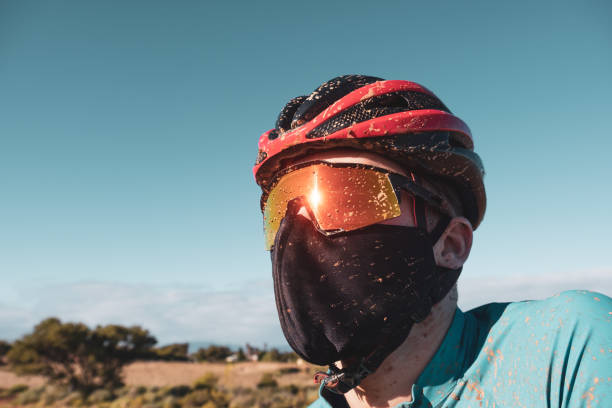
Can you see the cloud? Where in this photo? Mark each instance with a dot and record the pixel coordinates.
(172, 314)
(246, 313)
(475, 291)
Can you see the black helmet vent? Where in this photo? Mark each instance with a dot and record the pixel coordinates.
(376, 106)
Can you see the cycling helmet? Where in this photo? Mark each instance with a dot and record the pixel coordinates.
(401, 120)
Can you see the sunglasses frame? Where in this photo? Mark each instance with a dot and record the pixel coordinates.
(398, 182)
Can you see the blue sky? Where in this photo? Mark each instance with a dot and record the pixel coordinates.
(128, 131)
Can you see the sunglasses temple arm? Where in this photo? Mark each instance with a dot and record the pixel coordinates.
(430, 198)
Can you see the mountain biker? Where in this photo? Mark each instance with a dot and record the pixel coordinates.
(371, 192)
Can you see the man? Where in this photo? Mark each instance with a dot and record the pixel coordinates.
(371, 191)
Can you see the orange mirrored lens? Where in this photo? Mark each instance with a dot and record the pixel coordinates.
(340, 198)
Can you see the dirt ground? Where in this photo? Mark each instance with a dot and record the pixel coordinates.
(154, 373)
(8, 379)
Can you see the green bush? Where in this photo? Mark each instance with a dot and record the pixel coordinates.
(206, 382)
(74, 399)
(99, 396)
(196, 398)
(53, 393)
(12, 391)
(153, 396)
(170, 402)
(272, 355)
(267, 381)
(135, 391)
(123, 391)
(179, 390)
(126, 402)
(279, 397)
(288, 370)
(243, 401)
(30, 396)
(292, 388)
(212, 353)
(275, 355)
(205, 393)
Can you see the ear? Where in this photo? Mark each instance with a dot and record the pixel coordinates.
(453, 247)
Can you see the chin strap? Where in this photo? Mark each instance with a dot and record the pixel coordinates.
(341, 381)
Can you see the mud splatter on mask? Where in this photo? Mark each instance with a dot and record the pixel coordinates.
(399, 120)
(354, 296)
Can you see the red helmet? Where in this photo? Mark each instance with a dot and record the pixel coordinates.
(401, 120)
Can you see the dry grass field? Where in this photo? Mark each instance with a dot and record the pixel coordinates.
(8, 379)
(150, 374)
(233, 375)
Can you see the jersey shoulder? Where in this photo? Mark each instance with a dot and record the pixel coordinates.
(555, 351)
(567, 308)
(578, 303)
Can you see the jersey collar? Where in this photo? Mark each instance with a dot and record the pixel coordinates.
(441, 374)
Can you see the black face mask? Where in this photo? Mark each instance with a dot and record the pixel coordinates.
(342, 297)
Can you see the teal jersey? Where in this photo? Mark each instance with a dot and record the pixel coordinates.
(555, 352)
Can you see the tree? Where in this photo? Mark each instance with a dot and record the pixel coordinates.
(270, 355)
(5, 346)
(240, 356)
(114, 346)
(73, 354)
(275, 355)
(172, 352)
(212, 353)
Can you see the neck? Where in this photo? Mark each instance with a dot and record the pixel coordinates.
(392, 382)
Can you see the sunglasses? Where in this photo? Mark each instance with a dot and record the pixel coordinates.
(340, 197)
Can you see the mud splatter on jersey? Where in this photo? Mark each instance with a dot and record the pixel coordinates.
(555, 352)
